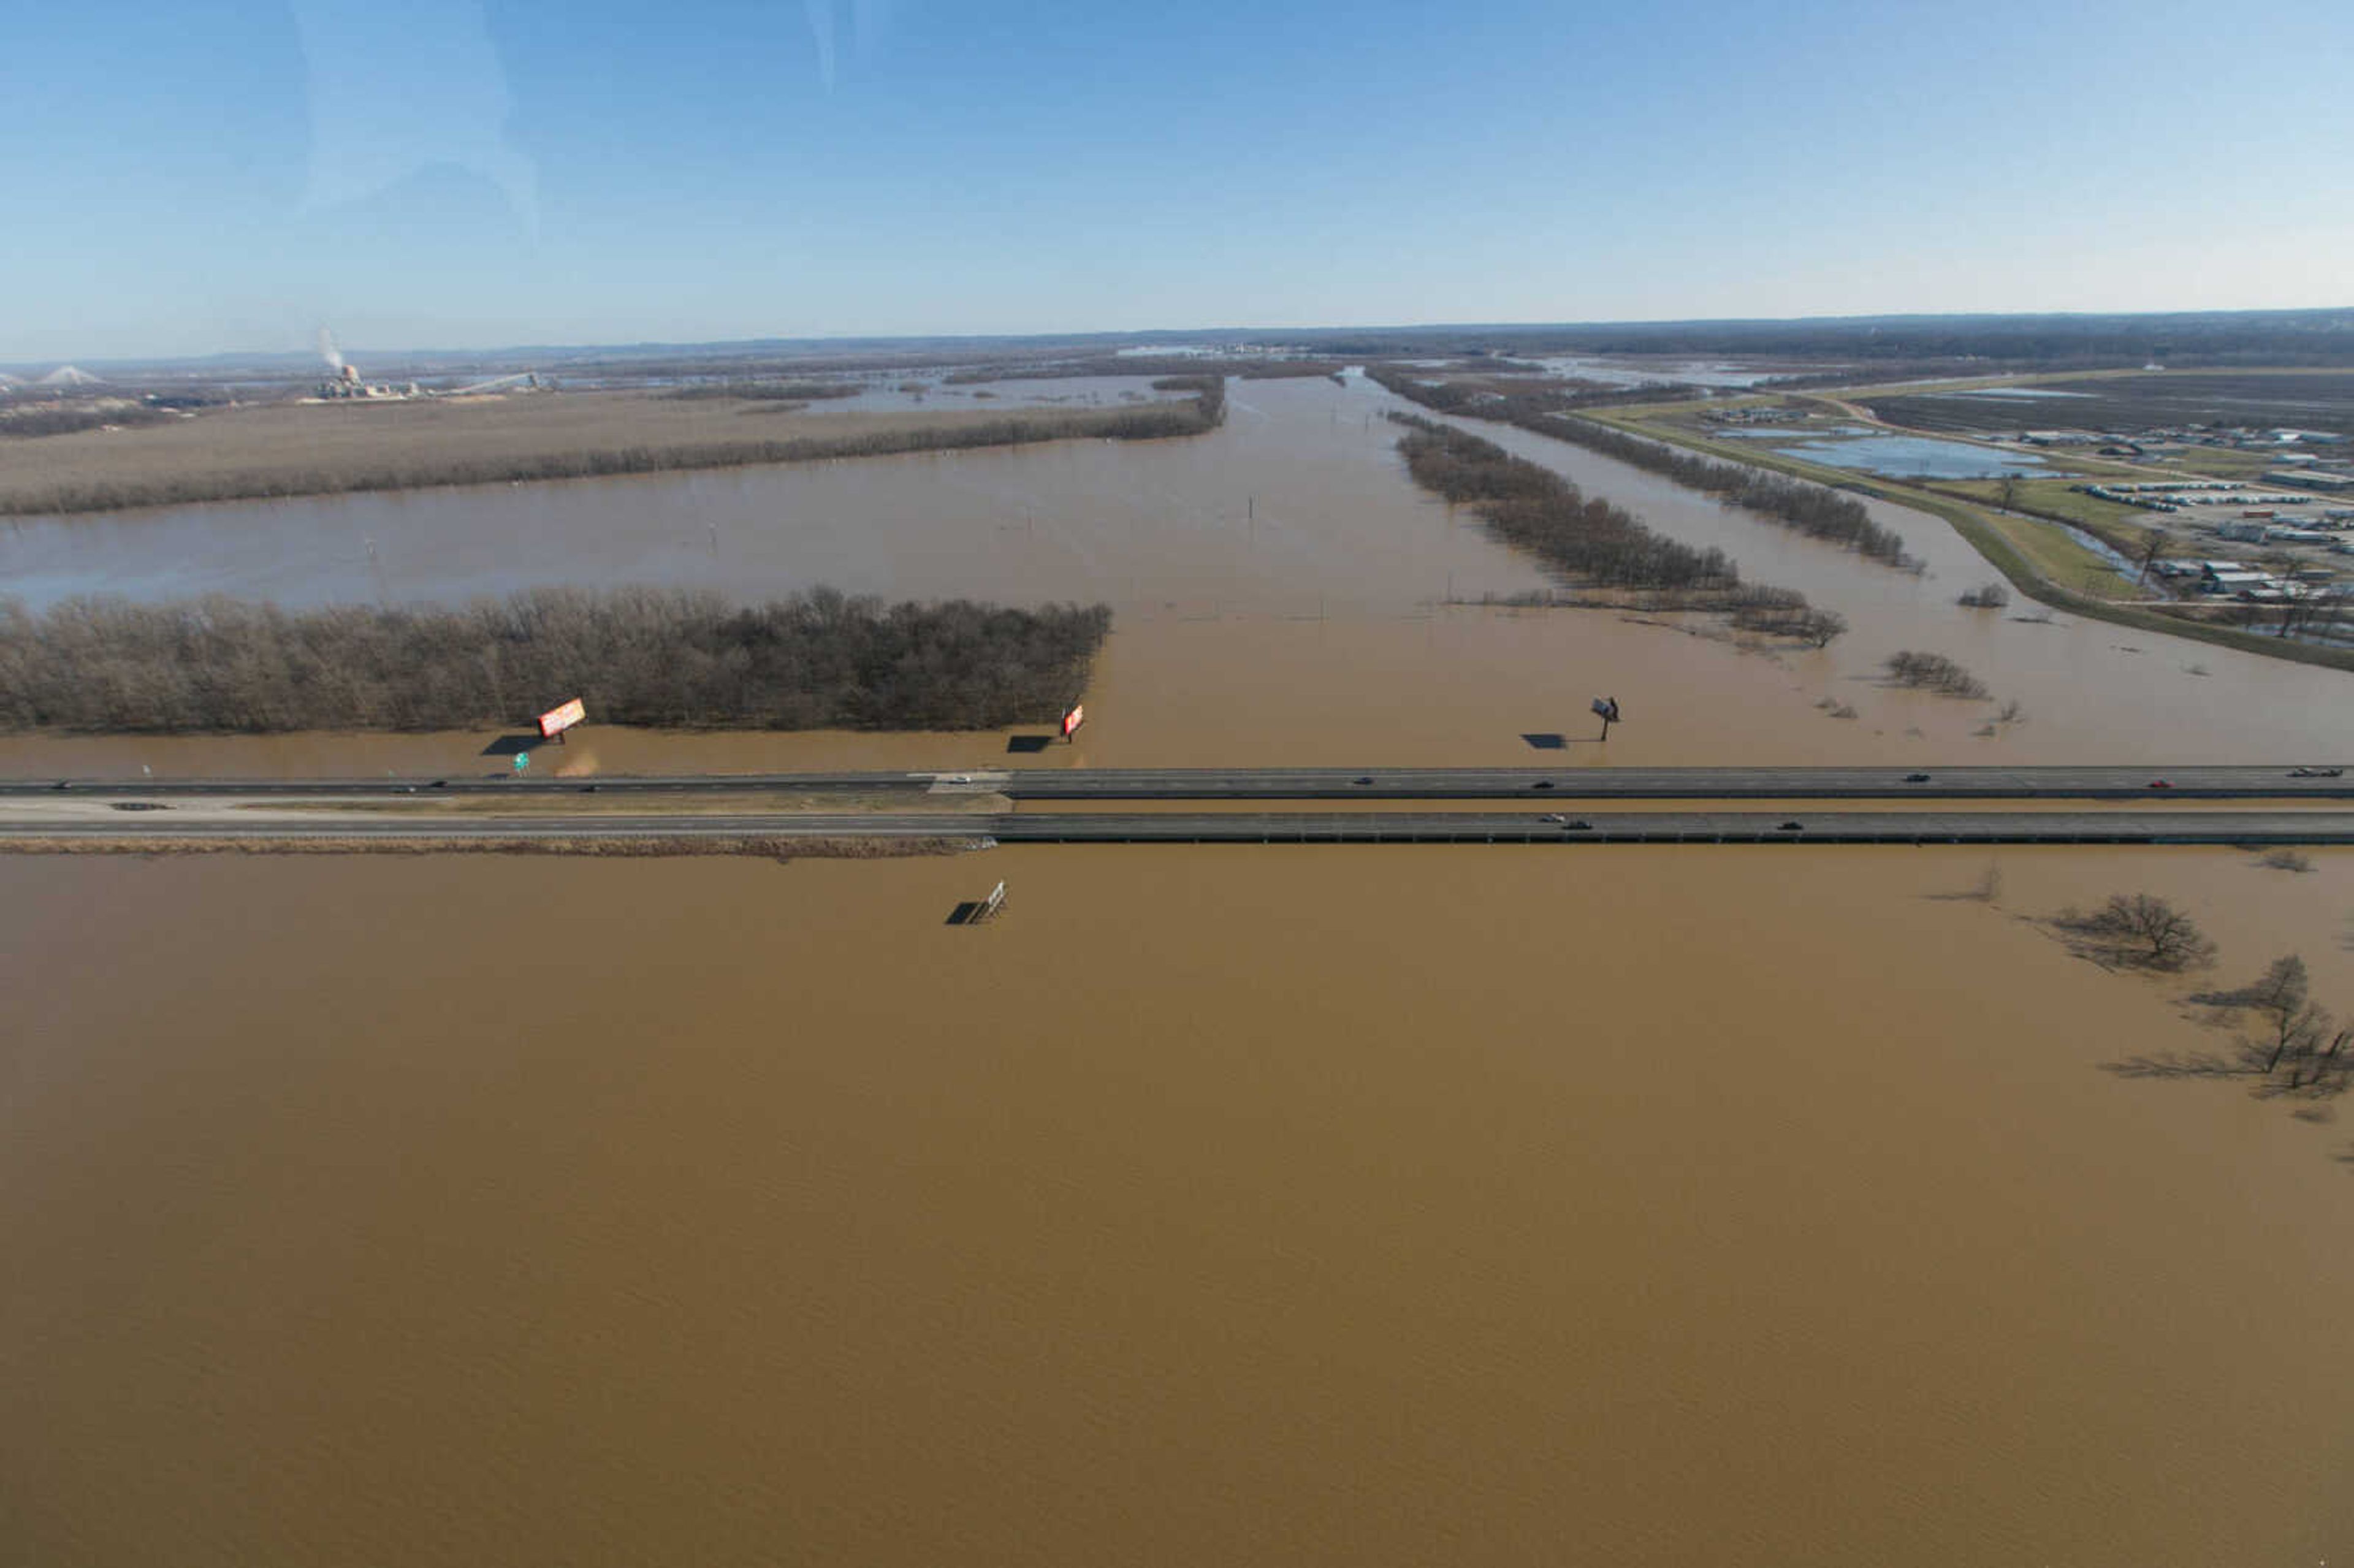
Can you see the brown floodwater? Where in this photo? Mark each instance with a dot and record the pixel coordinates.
(1218, 1204)
(1281, 595)
(1215, 1206)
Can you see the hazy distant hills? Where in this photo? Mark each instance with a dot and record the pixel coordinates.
(2320, 337)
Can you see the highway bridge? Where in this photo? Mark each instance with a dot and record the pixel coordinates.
(2256, 828)
(2279, 781)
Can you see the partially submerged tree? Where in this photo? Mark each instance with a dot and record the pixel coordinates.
(2295, 1036)
(2282, 994)
(1933, 672)
(2145, 929)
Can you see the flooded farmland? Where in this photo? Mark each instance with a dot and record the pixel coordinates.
(1215, 1206)
(1282, 594)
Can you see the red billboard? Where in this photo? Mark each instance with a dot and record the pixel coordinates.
(561, 718)
(1073, 719)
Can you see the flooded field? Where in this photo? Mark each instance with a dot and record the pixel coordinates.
(1282, 593)
(928, 390)
(1215, 1206)
(1904, 456)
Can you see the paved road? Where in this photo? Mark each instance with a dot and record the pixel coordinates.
(2273, 782)
(2307, 827)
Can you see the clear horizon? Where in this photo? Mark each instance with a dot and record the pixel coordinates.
(466, 176)
(1080, 334)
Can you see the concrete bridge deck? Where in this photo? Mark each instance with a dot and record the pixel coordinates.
(2283, 781)
(2157, 827)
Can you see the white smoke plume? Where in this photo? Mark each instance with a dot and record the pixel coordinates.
(329, 352)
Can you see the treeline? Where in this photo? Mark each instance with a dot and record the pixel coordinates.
(67, 421)
(1530, 407)
(1591, 540)
(1249, 369)
(2218, 337)
(1205, 412)
(769, 391)
(1534, 508)
(1209, 395)
(643, 656)
(1814, 510)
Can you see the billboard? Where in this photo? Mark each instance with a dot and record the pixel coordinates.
(561, 718)
(1073, 719)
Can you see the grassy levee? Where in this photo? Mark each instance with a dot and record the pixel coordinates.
(2118, 527)
(1987, 536)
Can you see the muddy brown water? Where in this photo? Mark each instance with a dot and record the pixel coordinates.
(1280, 591)
(1219, 1204)
(1232, 1206)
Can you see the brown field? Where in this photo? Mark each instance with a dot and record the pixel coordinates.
(321, 448)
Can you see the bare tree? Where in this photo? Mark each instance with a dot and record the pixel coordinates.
(2155, 544)
(2282, 995)
(2146, 929)
(2325, 1070)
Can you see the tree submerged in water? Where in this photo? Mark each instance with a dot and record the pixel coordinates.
(2141, 929)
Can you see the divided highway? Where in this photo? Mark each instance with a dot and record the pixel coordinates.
(892, 805)
(2157, 827)
(2255, 782)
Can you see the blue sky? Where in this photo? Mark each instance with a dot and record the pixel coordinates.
(220, 175)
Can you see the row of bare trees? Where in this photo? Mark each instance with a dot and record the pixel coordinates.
(1205, 411)
(643, 656)
(1815, 510)
(1592, 541)
(1532, 507)
(2295, 1046)
(1169, 365)
(38, 422)
(1932, 672)
(769, 391)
